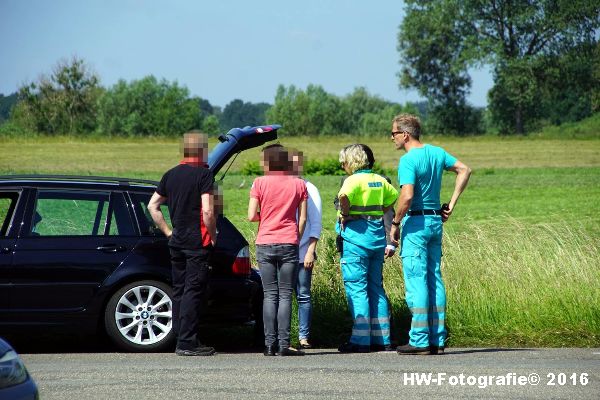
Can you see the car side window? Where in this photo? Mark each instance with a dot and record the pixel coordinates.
(8, 202)
(79, 213)
(147, 225)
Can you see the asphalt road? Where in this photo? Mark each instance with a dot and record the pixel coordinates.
(324, 373)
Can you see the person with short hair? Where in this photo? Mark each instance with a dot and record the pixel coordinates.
(420, 213)
(363, 199)
(278, 202)
(188, 188)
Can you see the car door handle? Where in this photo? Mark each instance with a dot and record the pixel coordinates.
(111, 248)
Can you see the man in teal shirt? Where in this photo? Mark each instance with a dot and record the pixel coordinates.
(419, 211)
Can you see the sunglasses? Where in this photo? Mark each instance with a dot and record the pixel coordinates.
(394, 133)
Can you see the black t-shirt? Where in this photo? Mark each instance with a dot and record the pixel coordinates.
(183, 187)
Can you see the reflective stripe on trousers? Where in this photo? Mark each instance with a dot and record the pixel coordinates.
(362, 270)
(425, 290)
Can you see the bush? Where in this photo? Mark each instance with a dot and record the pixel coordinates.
(10, 130)
(251, 168)
(324, 167)
(329, 166)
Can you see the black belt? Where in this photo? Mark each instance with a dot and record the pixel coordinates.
(364, 216)
(413, 213)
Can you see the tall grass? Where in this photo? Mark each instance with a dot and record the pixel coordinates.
(508, 284)
(511, 283)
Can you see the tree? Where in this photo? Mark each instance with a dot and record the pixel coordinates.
(210, 125)
(440, 40)
(379, 123)
(238, 114)
(358, 104)
(6, 105)
(434, 62)
(62, 103)
(315, 112)
(148, 107)
(596, 80)
(309, 112)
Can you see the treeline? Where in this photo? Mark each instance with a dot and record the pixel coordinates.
(71, 101)
(544, 56)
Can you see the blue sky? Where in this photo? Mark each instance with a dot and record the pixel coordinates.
(221, 50)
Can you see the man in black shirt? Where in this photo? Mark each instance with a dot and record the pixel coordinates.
(188, 190)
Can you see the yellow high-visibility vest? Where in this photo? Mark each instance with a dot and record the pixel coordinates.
(368, 193)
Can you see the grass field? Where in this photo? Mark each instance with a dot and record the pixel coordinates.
(521, 252)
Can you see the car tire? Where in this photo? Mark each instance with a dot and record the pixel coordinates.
(138, 317)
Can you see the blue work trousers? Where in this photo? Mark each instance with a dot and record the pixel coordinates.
(425, 290)
(362, 270)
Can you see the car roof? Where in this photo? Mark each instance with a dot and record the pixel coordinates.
(78, 181)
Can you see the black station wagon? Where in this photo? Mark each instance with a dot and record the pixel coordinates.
(82, 253)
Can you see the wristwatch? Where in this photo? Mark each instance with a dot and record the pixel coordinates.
(396, 223)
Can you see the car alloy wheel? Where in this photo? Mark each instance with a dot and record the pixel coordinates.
(140, 316)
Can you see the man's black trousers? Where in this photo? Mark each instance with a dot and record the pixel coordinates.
(190, 279)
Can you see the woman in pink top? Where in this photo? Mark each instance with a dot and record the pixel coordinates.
(275, 198)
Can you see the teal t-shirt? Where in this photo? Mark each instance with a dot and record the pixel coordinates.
(423, 168)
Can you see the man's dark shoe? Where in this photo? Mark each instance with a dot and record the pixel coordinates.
(270, 350)
(382, 347)
(353, 348)
(198, 351)
(436, 350)
(408, 349)
(290, 351)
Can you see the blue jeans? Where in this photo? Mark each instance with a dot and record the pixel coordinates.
(425, 290)
(304, 303)
(277, 263)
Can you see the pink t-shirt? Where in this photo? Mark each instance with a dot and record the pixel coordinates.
(279, 197)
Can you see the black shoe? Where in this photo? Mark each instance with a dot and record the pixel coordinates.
(408, 349)
(353, 348)
(270, 350)
(290, 351)
(198, 351)
(436, 350)
(382, 347)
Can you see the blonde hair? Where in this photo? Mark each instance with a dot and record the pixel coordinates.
(408, 123)
(354, 157)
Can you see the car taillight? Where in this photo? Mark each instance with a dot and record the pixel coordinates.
(241, 265)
